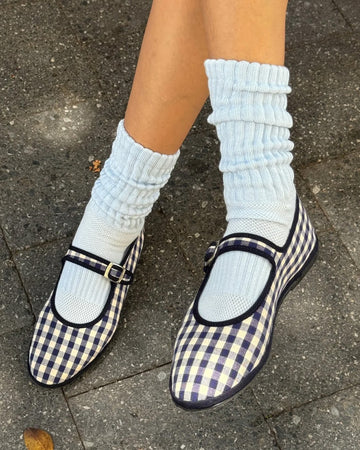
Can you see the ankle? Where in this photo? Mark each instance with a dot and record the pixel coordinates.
(97, 236)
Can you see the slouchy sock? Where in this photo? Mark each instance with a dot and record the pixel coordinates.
(249, 102)
(121, 198)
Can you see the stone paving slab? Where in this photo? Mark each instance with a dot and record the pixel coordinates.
(143, 416)
(112, 30)
(152, 312)
(23, 404)
(311, 21)
(351, 11)
(336, 184)
(39, 268)
(194, 202)
(15, 311)
(111, 34)
(316, 346)
(45, 175)
(65, 75)
(39, 59)
(331, 423)
(325, 100)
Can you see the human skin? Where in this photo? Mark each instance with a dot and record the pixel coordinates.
(170, 85)
(248, 30)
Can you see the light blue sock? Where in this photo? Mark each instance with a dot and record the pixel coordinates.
(121, 198)
(249, 111)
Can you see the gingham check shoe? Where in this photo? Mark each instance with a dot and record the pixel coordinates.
(214, 360)
(61, 350)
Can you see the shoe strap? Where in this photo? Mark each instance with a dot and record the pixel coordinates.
(114, 272)
(241, 242)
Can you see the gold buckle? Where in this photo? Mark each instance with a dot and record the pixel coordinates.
(108, 275)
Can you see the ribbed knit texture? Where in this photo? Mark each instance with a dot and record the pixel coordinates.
(121, 198)
(249, 103)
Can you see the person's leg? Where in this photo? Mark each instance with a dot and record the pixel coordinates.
(269, 243)
(248, 87)
(244, 30)
(169, 89)
(170, 84)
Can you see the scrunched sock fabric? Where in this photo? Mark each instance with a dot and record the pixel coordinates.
(249, 103)
(121, 198)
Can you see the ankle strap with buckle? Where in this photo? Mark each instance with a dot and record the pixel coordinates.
(114, 272)
(240, 242)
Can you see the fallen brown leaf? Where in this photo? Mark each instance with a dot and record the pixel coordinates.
(95, 167)
(36, 439)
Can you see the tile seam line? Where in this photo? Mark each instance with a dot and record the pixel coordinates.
(73, 419)
(110, 383)
(340, 11)
(37, 245)
(18, 272)
(271, 429)
(313, 400)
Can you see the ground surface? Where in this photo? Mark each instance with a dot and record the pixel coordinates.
(65, 75)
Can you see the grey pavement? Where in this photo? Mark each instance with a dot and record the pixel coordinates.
(65, 76)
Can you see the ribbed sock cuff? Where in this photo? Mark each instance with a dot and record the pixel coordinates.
(140, 162)
(248, 76)
(130, 181)
(249, 103)
(249, 92)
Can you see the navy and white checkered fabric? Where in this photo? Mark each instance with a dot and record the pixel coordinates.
(213, 362)
(59, 351)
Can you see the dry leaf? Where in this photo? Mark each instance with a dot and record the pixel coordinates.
(36, 439)
(95, 167)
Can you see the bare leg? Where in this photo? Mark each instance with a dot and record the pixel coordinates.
(170, 85)
(253, 30)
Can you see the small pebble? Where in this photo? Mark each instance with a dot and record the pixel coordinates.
(161, 376)
(296, 420)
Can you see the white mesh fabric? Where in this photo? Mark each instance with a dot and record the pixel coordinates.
(237, 279)
(81, 294)
(78, 310)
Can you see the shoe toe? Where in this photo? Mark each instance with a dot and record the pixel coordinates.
(59, 352)
(210, 363)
